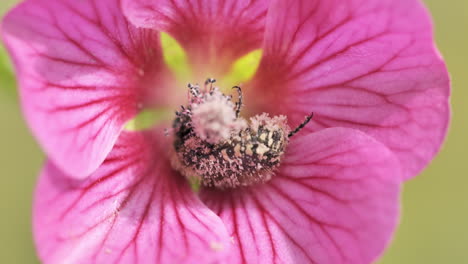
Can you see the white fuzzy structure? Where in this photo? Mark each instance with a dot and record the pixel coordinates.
(214, 118)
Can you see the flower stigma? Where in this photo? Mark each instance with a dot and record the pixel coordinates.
(215, 147)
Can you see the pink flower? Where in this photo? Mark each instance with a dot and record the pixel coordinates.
(368, 69)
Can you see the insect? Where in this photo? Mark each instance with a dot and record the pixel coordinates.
(216, 147)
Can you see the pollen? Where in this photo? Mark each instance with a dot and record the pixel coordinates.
(214, 119)
(216, 246)
(215, 147)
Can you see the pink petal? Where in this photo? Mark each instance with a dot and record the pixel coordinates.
(335, 200)
(81, 69)
(133, 209)
(370, 65)
(213, 32)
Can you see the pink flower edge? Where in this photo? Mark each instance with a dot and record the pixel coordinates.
(334, 200)
(83, 72)
(133, 209)
(370, 65)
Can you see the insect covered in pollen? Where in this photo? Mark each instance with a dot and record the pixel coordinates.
(215, 147)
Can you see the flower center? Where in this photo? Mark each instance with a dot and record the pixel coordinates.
(215, 147)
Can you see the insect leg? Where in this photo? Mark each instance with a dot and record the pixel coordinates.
(301, 126)
(239, 103)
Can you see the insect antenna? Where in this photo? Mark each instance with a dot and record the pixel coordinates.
(302, 125)
(194, 91)
(209, 81)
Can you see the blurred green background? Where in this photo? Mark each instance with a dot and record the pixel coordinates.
(434, 224)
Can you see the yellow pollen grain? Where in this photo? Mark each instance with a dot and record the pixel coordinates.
(270, 139)
(262, 149)
(249, 151)
(225, 155)
(237, 151)
(216, 246)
